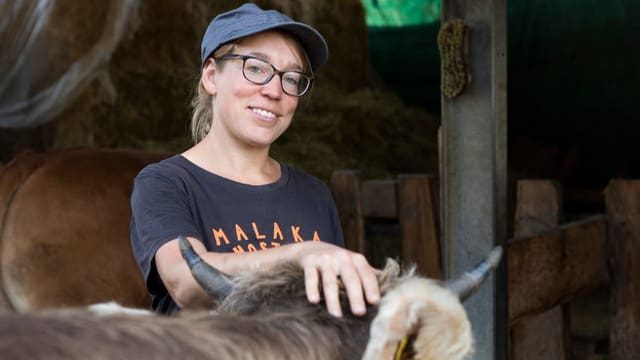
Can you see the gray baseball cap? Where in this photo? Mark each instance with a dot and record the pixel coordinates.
(249, 19)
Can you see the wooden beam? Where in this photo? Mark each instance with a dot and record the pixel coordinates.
(345, 186)
(623, 208)
(538, 207)
(379, 199)
(419, 223)
(545, 335)
(550, 268)
(473, 166)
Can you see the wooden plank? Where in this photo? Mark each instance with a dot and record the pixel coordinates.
(345, 186)
(623, 208)
(542, 336)
(379, 199)
(419, 223)
(550, 268)
(538, 207)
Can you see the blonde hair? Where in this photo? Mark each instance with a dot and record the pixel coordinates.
(201, 104)
(202, 112)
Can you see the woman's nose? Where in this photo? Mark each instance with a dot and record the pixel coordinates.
(273, 88)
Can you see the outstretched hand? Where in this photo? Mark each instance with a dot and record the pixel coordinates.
(325, 263)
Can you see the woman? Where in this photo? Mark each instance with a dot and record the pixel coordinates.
(240, 208)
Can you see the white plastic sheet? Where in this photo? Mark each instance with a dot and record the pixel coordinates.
(30, 94)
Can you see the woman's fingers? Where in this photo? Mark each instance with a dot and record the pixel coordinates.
(311, 284)
(353, 285)
(330, 290)
(368, 277)
(329, 268)
(316, 271)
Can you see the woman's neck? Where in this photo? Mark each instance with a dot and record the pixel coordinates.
(252, 166)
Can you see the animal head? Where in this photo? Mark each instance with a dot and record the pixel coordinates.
(426, 313)
(286, 280)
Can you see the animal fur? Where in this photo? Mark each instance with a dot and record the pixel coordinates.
(64, 234)
(267, 316)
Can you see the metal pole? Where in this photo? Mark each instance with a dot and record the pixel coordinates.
(474, 167)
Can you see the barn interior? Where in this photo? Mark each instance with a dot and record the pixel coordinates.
(120, 74)
(571, 77)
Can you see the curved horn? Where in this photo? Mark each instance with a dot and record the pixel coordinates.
(468, 283)
(213, 281)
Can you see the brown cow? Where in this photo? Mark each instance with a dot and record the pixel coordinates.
(64, 237)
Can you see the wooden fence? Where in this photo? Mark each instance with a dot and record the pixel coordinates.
(549, 261)
(411, 200)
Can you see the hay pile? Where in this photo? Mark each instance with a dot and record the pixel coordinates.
(365, 129)
(347, 124)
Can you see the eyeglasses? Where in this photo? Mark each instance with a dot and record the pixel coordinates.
(260, 72)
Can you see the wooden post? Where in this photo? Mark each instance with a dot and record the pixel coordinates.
(538, 207)
(542, 336)
(419, 223)
(473, 166)
(623, 209)
(345, 185)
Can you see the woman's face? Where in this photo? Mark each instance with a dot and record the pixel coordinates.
(244, 113)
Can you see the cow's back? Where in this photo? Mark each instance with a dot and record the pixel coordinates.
(64, 239)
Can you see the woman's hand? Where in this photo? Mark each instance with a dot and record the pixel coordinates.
(324, 262)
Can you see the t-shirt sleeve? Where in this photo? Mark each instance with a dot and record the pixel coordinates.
(160, 213)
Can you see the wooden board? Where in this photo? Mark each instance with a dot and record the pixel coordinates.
(345, 186)
(542, 336)
(550, 268)
(623, 208)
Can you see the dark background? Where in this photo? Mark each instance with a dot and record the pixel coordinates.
(573, 79)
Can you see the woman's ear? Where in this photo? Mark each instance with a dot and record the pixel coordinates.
(208, 77)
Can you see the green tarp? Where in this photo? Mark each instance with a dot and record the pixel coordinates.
(397, 13)
(403, 48)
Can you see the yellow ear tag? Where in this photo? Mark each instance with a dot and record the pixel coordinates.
(401, 347)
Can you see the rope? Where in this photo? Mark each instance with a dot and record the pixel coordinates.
(454, 70)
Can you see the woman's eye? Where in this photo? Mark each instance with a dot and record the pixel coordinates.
(255, 69)
(292, 79)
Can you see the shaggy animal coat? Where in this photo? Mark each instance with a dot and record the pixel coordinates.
(266, 316)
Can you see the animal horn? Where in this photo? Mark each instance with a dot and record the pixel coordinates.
(468, 283)
(213, 281)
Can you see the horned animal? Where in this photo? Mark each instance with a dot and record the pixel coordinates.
(262, 315)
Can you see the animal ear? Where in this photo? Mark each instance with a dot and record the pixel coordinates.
(214, 282)
(389, 275)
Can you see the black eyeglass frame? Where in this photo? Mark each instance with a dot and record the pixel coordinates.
(244, 59)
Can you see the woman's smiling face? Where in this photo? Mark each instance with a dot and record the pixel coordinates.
(247, 114)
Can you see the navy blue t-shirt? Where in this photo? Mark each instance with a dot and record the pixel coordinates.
(176, 197)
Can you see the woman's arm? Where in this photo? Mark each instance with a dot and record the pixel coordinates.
(322, 263)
